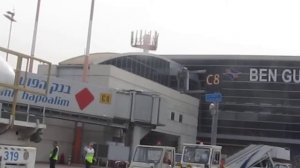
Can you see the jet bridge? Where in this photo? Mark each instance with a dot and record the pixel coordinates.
(75, 101)
(72, 100)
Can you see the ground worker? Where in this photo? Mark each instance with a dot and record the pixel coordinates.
(89, 155)
(54, 154)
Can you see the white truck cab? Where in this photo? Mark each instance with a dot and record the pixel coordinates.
(17, 157)
(201, 156)
(153, 157)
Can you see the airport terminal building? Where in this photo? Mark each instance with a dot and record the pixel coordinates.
(260, 104)
(260, 94)
(261, 99)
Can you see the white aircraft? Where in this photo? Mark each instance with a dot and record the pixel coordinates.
(7, 74)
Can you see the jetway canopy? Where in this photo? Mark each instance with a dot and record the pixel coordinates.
(78, 98)
(255, 154)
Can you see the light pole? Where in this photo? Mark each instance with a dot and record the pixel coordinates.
(34, 34)
(78, 125)
(214, 110)
(10, 16)
(87, 51)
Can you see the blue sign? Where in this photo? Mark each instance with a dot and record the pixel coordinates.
(213, 97)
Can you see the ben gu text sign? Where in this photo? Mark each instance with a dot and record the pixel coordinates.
(274, 75)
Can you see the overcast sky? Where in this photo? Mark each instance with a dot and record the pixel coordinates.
(264, 27)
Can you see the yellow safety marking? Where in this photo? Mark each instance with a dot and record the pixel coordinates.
(105, 98)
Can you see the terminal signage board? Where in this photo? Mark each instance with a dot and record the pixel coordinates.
(213, 97)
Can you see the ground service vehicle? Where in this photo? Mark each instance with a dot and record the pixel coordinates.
(201, 156)
(17, 157)
(178, 158)
(14, 156)
(256, 156)
(153, 157)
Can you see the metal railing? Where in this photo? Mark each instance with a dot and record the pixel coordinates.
(17, 86)
(24, 113)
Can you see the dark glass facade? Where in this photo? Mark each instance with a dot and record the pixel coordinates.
(261, 101)
(153, 68)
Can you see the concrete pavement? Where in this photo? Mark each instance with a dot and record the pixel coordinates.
(46, 165)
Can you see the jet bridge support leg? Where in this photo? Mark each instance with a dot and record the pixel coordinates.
(138, 132)
(77, 143)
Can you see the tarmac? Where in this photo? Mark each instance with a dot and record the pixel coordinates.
(46, 165)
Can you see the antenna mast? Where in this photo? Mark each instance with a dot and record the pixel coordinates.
(145, 40)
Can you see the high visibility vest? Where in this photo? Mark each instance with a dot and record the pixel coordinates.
(56, 156)
(89, 155)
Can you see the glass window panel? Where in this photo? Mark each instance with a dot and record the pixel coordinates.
(180, 118)
(172, 115)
